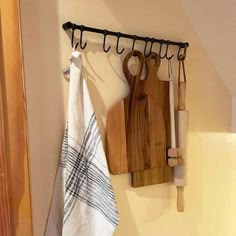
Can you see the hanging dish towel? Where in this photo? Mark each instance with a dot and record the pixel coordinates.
(83, 202)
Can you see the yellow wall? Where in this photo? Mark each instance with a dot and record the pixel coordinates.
(147, 211)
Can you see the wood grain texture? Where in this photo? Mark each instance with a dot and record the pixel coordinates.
(162, 174)
(5, 214)
(137, 117)
(180, 199)
(138, 126)
(15, 122)
(124, 126)
(157, 91)
(116, 140)
(182, 95)
(151, 176)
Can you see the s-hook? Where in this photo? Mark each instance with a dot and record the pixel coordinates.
(117, 44)
(81, 38)
(104, 42)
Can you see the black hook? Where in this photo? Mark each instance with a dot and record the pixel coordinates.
(81, 38)
(134, 39)
(152, 42)
(104, 42)
(167, 47)
(150, 49)
(146, 42)
(72, 38)
(162, 57)
(117, 44)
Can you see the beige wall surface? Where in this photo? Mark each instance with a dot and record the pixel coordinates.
(211, 166)
(215, 23)
(234, 115)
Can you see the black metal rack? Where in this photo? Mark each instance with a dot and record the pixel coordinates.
(182, 45)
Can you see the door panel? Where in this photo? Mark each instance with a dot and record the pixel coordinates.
(14, 191)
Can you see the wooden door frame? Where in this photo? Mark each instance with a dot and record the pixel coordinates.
(15, 204)
(5, 219)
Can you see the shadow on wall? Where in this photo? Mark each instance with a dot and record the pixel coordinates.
(139, 206)
(40, 28)
(93, 78)
(123, 194)
(204, 83)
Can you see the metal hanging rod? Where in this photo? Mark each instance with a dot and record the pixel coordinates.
(82, 28)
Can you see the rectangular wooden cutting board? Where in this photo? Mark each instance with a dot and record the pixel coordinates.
(138, 126)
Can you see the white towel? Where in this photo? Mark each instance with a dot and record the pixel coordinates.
(83, 202)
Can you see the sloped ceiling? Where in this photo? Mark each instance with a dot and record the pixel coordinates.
(215, 22)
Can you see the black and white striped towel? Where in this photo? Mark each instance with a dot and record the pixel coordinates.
(83, 202)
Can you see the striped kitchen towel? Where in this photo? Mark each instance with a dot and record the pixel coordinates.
(83, 202)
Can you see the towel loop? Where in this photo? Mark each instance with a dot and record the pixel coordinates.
(104, 42)
(182, 56)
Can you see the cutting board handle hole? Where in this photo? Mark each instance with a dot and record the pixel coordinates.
(133, 65)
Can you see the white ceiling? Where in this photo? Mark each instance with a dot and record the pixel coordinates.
(215, 22)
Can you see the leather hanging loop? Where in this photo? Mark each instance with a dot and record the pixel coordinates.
(182, 56)
(181, 83)
(181, 64)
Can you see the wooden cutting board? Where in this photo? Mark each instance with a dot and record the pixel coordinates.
(152, 176)
(163, 173)
(136, 130)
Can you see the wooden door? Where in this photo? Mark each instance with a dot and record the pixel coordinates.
(15, 207)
